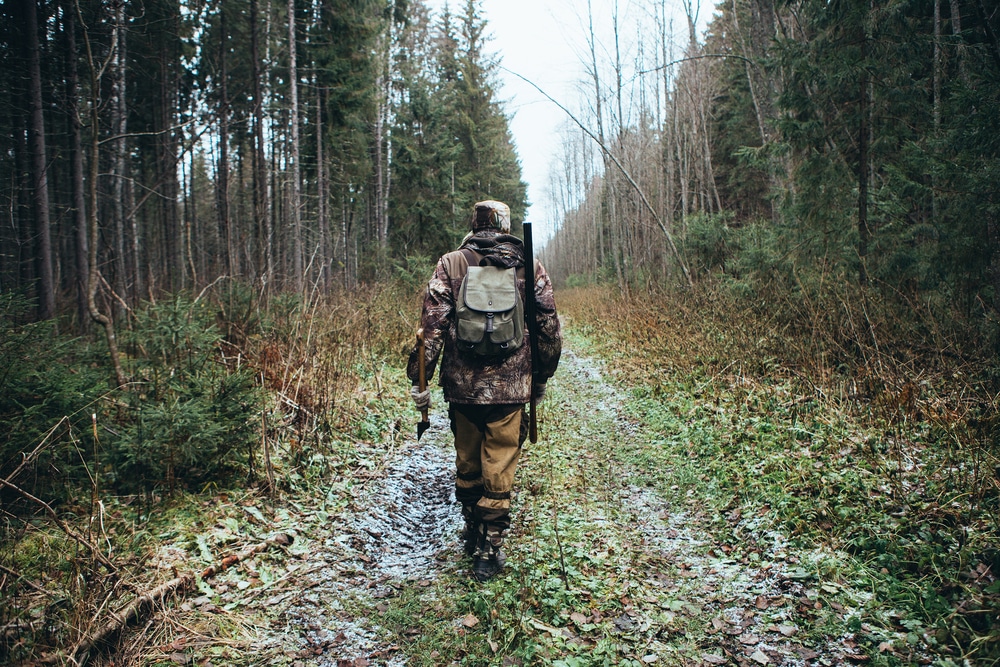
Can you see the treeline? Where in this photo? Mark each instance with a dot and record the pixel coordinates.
(291, 146)
(802, 143)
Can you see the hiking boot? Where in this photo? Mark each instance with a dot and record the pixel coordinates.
(487, 566)
(489, 558)
(470, 533)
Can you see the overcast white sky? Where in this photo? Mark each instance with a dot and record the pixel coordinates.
(544, 41)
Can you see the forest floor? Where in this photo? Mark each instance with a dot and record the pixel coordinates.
(622, 552)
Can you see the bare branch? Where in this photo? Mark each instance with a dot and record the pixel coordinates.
(621, 168)
(76, 537)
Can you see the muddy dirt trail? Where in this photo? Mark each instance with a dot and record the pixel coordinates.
(396, 531)
(400, 530)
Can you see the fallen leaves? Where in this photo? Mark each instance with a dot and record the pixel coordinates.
(786, 630)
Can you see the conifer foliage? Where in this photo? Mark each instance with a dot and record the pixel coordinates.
(159, 158)
(797, 141)
(203, 171)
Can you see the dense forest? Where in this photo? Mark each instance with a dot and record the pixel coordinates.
(295, 147)
(217, 215)
(854, 141)
(285, 146)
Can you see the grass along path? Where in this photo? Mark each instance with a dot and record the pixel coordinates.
(655, 572)
(627, 549)
(622, 552)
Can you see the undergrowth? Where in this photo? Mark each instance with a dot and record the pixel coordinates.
(883, 448)
(853, 471)
(228, 397)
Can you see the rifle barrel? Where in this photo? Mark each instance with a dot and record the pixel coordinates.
(529, 312)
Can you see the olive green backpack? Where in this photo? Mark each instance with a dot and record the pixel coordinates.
(489, 310)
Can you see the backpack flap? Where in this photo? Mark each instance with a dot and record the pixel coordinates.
(489, 311)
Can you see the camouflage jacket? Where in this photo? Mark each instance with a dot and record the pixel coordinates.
(470, 379)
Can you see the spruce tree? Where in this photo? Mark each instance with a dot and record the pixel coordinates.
(452, 142)
(489, 167)
(424, 150)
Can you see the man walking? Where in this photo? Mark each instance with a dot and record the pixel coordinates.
(486, 389)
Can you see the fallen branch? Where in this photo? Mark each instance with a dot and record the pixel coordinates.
(281, 539)
(133, 612)
(141, 606)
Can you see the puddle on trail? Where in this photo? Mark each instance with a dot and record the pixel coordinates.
(401, 527)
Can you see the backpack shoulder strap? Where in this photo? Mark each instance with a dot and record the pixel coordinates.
(471, 256)
(456, 264)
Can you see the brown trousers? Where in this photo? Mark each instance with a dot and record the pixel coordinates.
(488, 442)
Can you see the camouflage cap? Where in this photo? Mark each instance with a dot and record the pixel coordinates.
(491, 215)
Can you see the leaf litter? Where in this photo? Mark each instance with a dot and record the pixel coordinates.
(699, 599)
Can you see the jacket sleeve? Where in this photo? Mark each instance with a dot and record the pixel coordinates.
(549, 334)
(435, 318)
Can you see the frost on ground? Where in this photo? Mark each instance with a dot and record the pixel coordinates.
(755, 610)
(763, 607)
(397, 531)
(400, 529)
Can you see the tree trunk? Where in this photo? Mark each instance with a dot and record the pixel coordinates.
(383, 85)
(191, 214)
(24, 231)
(323, 193)
(93, 228)
(936, 74)
(80, 246)
(345, 237)
(39, 167)
(222, 180)
(262, 201)
(296, 192)
(599, 113)
(864, 232)
(956, 30)
(119, 126)
(167, 166)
